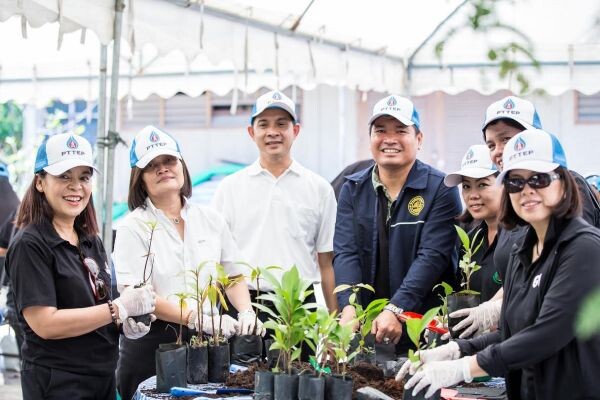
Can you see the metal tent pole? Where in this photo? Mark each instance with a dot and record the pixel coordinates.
(101, 138)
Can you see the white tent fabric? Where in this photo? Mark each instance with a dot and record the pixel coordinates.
(164, 53)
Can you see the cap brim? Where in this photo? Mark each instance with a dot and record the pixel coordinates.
(520, 121)
(530, 165)
(455, 178)
(62, 166)
(400, 118)
(281, 106)
(142, 162)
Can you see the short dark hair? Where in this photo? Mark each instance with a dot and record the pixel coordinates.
(137, 192)
(35, 209)
(569, 207)
(508, 121)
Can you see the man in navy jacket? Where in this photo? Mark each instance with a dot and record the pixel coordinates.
(395, 220)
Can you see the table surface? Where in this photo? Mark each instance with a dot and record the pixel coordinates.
(150, 383)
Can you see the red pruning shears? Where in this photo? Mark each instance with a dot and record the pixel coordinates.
(433, 325)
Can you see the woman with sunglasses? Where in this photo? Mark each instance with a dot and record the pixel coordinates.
(549, 275)
(59, 274)
(186, 236)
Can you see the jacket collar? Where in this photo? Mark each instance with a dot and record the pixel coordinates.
(559, 231)
(416, 179)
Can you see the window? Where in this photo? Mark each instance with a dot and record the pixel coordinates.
(587, 108)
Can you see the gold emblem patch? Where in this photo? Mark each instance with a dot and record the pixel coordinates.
(416, 205)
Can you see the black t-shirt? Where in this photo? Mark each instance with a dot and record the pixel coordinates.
(487, 280)
(46, 270)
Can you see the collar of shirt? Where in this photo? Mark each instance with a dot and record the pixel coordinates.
(53, 239)
(157, 211)
(256, 169)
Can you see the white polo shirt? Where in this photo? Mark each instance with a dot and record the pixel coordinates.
(206, 238)
(281, 221)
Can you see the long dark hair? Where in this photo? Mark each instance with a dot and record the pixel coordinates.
(569, 207)
(35, 209)
(137, 191)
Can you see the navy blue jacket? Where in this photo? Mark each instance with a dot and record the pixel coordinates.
(422, 237)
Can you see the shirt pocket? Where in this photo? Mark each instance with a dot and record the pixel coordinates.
(302, 222)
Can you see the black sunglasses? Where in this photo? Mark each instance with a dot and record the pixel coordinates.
(99, 287)
(537, 181)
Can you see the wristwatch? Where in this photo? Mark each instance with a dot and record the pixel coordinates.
(396, 310)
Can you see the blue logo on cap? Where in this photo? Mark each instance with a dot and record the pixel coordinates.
(392, 101)
(470, 154)
(520, 144)
(276, 96)
(154, 137)
(509, 104)
(72, 143)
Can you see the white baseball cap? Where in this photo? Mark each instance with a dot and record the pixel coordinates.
(398, 107)
(149, 143)
(60, 153)
(533, 150)
(512, 107)
(273, 99)
(476, 163)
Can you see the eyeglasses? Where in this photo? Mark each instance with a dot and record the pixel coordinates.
(537, 181)
(99, 287)
(156, 164)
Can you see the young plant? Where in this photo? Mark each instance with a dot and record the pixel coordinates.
(255, 275)
(149, 263)
(320, 327)
(443, 313)
(198, 293)
(214, 293)
(288, 296)
(466, 264)
(341, 339)
(364, 316)
(181, 297)
(415, 328)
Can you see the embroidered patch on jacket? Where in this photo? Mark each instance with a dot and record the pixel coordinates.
(496, 278)
(416, 205)
(536, 281)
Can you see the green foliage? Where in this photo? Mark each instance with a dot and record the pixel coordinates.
(181, 297)
(341, 339)
(320, 327)
(415, 328)
(467, 266)
(288, 296)
(255, 275)
(214, 293)
(448, 290)
(197, 292)
(11, 127)
(587, 323)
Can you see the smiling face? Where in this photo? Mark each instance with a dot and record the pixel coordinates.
(163, 176)
(496, 135)
(68, 194)
(274, 132)
(482, 197)
(394, 145)
(536, 206)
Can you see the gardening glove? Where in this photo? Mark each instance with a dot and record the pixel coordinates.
(229, 326)
(448, 351)
(478, 319)
(135, 301)
(246, 321)
(135, 330)
(440, 374)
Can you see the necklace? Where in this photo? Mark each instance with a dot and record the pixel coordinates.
(176, 220)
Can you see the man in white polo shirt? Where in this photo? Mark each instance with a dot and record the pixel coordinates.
(279, 212)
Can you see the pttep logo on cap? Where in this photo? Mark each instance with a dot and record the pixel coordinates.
(476, 163)
(59, 153)
(512, 107)
(398, 107)
(534, 150)
(149, 143)
(273, 99)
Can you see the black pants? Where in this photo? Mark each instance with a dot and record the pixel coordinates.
(263, 316)
(137, 357)
(43, 383)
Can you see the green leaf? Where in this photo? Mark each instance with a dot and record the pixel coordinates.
(587, 322)
(365, 286)
(464, 238)
(341, 288)
(352, 298)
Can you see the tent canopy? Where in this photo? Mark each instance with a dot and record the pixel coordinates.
(180, 46)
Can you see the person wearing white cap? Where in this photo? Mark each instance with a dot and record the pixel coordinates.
(504, 119)
(186, 236)
(395, 223)
(280, 213)
(550, 274)
(61, 281)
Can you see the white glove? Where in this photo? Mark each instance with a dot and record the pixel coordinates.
(246, 321)
(133, 302)
(440, 374)
(478, 319)
(135, 330)
(229, 326)
(448, 351)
